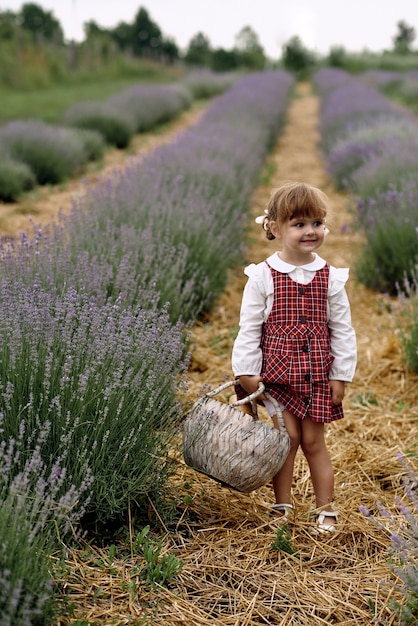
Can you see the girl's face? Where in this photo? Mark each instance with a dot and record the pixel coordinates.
(300, 237)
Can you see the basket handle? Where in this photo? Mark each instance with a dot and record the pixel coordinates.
(251, 398)
(278, 412)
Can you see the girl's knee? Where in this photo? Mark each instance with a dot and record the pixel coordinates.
(312, 437)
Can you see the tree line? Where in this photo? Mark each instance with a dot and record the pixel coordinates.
(143, 38)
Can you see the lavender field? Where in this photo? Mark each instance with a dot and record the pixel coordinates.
(94, 331)
(116, 318)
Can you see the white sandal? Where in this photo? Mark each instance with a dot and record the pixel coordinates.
(284, 508)
(321, 527)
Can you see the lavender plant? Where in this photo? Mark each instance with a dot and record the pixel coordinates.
(53, 153)
(149, 105)
(390, 253)
(15, 178)
(103, 379)
(403, 551)
(34, 502)
(116, 127)
(407, 316)
(92, 316)
(371, 148)
(383, 136)
(204, 83)
(167, 229)
(173, 220)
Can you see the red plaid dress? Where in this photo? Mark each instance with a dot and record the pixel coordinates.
(295, 344)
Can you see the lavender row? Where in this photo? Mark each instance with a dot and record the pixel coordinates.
(371, 149)
(93, 315)
(168, 227)
(36, 153)
(134, 110)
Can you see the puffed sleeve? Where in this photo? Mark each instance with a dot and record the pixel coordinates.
(246, 353)
(342, 334)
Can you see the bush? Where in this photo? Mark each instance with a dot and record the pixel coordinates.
(15, 178)
(103, 377)
(146, 105)
(206, 84)
(391, 249)
(52, 152)
(116, 127)
(93, 143)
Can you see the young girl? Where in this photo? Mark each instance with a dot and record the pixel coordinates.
(296, 336)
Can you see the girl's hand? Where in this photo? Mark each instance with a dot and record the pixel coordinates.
(250, 384)
(337, 391)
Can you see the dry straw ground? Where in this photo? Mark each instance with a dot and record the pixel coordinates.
(231, 574)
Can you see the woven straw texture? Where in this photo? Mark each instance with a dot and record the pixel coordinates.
(230, 446)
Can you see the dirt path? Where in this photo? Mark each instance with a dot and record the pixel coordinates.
(231, 575)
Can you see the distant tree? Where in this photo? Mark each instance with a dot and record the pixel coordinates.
(337, 57)
(122, 35)
(92, 29)
(169, 50)
(250, 53)
(198, 51)
(146, 35)
(224, 60)
(8, 24)
(41, 24)
(403, 39)
(296, 57)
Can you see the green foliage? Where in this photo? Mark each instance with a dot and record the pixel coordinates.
(403, 551)
(224, 60)
(50, 104)
(199, 51)
(116, 128)
(404, 37)
(15, 178)
(146, 35)
(297, 58)
(159, 568)
(25, 580)
(52, 153)
(40, 23)
(360, 62)
(283, 542)
(93, 143)
(249, 50)
(408, 321)
(404, 91)
(390, 252)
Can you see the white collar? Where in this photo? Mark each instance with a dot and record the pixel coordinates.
(276, 263)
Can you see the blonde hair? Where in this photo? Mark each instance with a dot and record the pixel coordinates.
(292, 200)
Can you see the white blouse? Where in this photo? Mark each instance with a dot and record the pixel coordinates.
(256, 305)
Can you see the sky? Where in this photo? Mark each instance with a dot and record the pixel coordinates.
(356, 25)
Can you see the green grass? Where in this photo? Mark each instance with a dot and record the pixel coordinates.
(49, 104)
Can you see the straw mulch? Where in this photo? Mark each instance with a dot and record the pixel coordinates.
(231, 573)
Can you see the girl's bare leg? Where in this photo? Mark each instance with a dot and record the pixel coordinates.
(319, 461)
(282, 481)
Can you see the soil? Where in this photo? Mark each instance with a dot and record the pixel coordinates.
(232, 574)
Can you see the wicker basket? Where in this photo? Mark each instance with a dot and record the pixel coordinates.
(232, 447)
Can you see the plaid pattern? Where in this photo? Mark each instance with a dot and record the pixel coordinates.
(296, 348)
